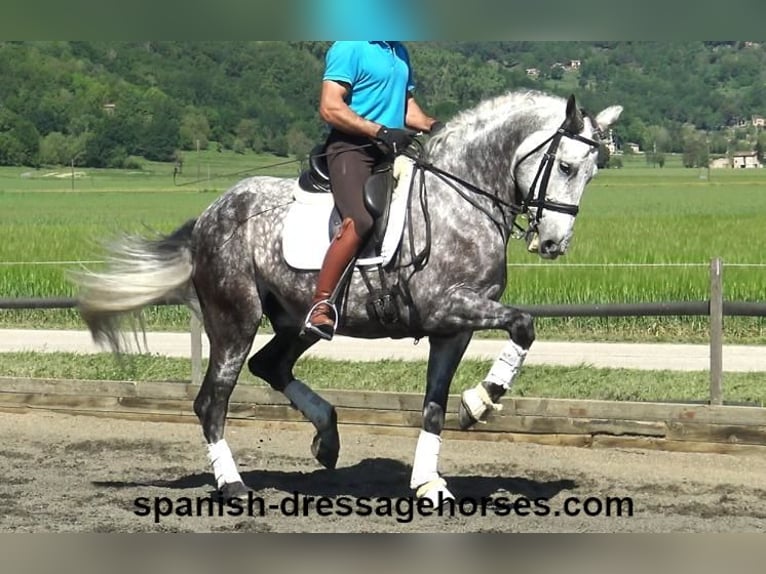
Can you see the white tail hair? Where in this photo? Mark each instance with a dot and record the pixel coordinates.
(139, 271)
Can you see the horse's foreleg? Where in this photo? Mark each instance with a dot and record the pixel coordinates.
(476, 403)
(274, 364)
(444, 357)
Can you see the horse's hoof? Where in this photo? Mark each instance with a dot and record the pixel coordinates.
(326, 444)
(234, 490)
(464, 417)
(436, 491)
(475, 407)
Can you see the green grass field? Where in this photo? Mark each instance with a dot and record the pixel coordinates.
(644, 234)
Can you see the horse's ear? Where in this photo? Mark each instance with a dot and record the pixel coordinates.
(608, 116)
(574, 121)
(571, 108)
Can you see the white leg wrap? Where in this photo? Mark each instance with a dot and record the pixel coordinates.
(506, 367)
(478, 402)
(224, 468)
(309, 403)
(425, 466)
(503, 372)
(425, 475)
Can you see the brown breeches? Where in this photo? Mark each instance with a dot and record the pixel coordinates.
(350, 162)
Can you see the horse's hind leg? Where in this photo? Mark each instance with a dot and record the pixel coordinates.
(274, 364)
(231, 314)
(444, 357)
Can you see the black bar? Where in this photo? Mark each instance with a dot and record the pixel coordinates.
(744, 309)
(687, 308)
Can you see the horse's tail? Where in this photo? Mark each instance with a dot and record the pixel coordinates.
(139, 271)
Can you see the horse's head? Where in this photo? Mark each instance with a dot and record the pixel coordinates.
(552, 166)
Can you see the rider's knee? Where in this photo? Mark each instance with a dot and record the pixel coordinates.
(363, 225)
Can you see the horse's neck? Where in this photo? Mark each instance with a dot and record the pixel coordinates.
(483, 153)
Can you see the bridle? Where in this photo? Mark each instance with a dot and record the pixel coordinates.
(535, 197)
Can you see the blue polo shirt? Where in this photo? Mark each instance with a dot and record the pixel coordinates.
(379, 74)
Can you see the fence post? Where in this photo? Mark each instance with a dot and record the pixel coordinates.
(196, 350)
(716, 331)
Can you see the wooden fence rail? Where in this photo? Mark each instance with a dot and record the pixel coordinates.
(566, 422)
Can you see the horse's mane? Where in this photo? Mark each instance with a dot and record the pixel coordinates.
(529, 107)
(481, 140)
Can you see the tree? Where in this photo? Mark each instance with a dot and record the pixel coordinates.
(602, 161)
(248, 130)
(760, 146)
(298, 143)
(20, 143)
(695, 148)
(656, 138)
(278, 146)
(162, 134)
(56, 149)
(194, 128)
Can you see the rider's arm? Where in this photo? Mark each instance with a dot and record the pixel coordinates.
(415, 117)
(336, 112)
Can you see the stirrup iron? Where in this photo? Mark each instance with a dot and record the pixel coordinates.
(308, 327)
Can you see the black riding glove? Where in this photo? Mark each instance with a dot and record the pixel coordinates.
(393, 141)
(436, 127)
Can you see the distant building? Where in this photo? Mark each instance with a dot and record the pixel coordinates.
(610, 144)
(533, 72)
(738, 159)
(574, 64)
(758, 121)
(720, 162)
(745, 159)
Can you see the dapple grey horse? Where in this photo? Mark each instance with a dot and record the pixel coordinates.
(526, 154)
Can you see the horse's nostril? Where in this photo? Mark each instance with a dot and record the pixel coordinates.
(548, 246)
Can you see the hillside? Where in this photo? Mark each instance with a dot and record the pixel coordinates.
(102, 103)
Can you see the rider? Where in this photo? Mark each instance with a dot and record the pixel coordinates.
(367, 100)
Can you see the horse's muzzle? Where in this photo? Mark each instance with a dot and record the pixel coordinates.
(547, 249)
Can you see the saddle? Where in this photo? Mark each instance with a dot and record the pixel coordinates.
(377, 193)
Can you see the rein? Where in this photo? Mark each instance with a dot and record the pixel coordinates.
(450, 179)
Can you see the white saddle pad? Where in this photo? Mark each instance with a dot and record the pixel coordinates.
(305, 237)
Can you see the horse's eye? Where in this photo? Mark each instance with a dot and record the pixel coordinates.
(565, 168)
